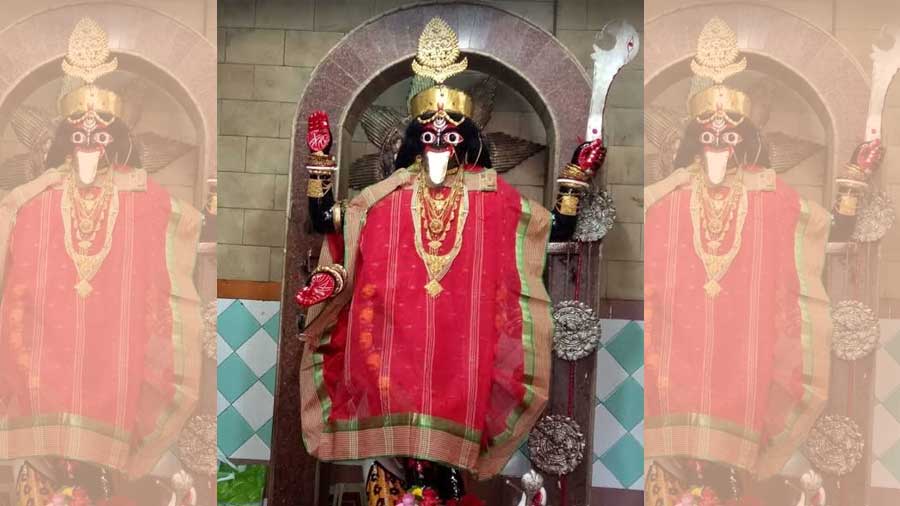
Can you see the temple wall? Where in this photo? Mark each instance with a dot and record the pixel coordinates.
(267, 52)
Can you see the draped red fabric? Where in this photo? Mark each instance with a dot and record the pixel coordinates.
(740, 377)
(103, 378)
(451, 378)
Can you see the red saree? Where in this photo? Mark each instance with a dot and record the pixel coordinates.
(741, 377)
(459, 378)
(109, 378)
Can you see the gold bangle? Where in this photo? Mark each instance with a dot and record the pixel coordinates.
(567, 204)
(315, 189)
(337, 272)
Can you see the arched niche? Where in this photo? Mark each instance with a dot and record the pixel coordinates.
(183, 65)
(808, 59)
(365, 63)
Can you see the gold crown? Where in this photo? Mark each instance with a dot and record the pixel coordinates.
(87, 59)
(90, 98)
(720, 98)
(717, 55)
(441, 98)
(436, 59)
(438, 51)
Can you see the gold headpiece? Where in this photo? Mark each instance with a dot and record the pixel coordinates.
(87, 59)
(436, 59)
(718, 59)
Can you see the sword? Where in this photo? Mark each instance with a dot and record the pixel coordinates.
(885, 63)
(607, 63)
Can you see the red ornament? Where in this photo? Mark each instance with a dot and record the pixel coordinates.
(318, 132)
(869, 155)
(320, 288)
(591, 157)
(430, 498)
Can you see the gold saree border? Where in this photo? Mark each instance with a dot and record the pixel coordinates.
(810, 239)
(533, 233)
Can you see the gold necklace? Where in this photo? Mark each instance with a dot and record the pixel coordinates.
(714, 264)
(87, 265)
(437, 227)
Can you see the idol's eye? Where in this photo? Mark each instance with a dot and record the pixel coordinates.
(707, 138)
(78, 137)
(453, 138)
(428, 137)
(732, 138)
(103, 138)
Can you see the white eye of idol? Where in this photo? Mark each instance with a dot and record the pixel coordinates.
(428, 137)
(452, 138)
(103, 138)
(78, 138)
(732, 138)
(707, 138)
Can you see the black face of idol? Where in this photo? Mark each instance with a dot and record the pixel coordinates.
(463, 136)
(721, 143)
(105, 137)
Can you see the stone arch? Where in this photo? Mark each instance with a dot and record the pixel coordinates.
(818, 66)
(183, 66)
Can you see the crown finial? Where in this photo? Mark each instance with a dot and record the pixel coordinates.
(438, 51)
(88, 56)
(717, 55)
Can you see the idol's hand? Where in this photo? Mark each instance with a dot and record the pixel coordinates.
(318, 133)
(325, 282)
(589, 157)
(868, 156)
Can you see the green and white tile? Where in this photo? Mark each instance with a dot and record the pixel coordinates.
(886, 415)
(247, 355)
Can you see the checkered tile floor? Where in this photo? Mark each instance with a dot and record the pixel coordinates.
(247, 354)
(886, 429)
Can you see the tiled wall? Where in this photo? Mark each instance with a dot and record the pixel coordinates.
(267, 50)
(886, 428)
(247, 354)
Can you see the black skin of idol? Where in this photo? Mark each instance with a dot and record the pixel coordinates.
(471, 150)
(121, 149)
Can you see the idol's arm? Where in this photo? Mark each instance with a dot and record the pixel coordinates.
(324, 212)
(573, 182)
(852, 185)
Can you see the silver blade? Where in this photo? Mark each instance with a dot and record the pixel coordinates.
(607, 63)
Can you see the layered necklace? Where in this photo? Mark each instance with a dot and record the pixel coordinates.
(84, 216)
(438, 214)
(712, 217)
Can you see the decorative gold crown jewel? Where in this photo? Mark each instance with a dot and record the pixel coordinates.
(438, 52)
(88, 52)
(436, 59)
(717, 59)
(87, 59)
(717, 55)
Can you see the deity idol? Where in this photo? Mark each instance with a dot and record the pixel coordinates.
(737, 317)
(429, 328)
(99, 320)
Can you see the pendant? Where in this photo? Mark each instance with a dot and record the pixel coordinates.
(433, 288)
(435, 226)
(83, 288)
(85, 226)
(712, 288)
